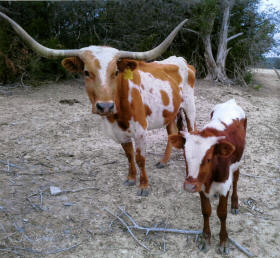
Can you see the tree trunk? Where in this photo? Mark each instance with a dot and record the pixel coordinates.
(216, 68)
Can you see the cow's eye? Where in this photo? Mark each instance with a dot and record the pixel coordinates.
(86, 73)
(208, 160)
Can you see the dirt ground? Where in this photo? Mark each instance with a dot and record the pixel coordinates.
(46, 143)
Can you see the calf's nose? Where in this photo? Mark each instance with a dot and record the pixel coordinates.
(189, 187)
(105, 107)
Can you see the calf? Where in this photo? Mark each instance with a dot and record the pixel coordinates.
(212, 158)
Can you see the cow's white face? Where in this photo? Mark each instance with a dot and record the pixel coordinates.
(99, 65)
(100, 69)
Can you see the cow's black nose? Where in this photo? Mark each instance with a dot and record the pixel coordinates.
(105, 107)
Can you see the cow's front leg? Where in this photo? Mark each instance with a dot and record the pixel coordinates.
(222, 214)
(206, 212)
(234, 196)
(140, 145)
(129, 151)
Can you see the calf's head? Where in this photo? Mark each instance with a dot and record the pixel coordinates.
(201, 156)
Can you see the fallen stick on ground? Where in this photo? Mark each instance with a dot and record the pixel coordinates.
(9, 164)
(57, 191)
(156, 229)
(241, 248)
(127, 227)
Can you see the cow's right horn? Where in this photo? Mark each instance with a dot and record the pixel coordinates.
(37, 47)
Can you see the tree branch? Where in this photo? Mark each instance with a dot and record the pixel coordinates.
(235, 36)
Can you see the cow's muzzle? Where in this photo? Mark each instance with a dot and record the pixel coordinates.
(105, 108)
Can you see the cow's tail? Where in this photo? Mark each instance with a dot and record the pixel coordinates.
(180, 119)
(183, 121)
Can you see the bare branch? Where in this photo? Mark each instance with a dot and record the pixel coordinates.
(234, 36)
(197, 233)
(128, 228)
(241, 248)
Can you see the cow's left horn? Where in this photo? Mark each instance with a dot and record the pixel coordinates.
(155, 52)
(37, 47)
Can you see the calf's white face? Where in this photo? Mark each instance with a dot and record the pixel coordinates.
(200, 154)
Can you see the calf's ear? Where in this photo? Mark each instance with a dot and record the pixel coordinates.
(177, 140)
(73, 64)
(224, 149)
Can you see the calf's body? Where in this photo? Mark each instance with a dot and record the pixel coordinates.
(213, 158)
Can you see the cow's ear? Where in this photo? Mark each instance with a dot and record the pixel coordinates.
(224, 149)
(126, 64)
(177, 140)
(73, 64)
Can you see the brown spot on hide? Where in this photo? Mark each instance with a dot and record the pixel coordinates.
(148, 111)
(138, 109)
(122, 103)
(191, 75)
(164, 97)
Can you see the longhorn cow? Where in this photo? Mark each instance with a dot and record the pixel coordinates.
(131, 95)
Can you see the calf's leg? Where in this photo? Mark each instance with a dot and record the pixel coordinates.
(222, 214)
(206, 212)
(171, 129)
(234, 196)
(131, 178)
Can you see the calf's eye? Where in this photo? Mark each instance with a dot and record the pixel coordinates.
(86, 73)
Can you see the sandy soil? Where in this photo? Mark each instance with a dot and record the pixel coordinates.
(55, 144)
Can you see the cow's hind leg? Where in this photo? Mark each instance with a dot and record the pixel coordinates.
(171, 129)
(131, 178)
(234, 196)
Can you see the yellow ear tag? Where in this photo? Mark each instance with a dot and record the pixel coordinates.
(128, 74)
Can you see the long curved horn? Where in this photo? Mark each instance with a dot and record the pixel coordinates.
(37, 47)
(155, 52)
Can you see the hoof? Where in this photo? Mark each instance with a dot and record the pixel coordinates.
(203, 245)
(160, 165)
(129, 182)
(223, 250)
(234, 211)
(143, 192)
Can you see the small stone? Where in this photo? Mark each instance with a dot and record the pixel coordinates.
(55, 190)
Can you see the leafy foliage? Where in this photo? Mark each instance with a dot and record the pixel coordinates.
(128, 25)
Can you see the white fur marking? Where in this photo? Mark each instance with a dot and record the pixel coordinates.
(195, 150)
(225, 113)
(104, 55)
